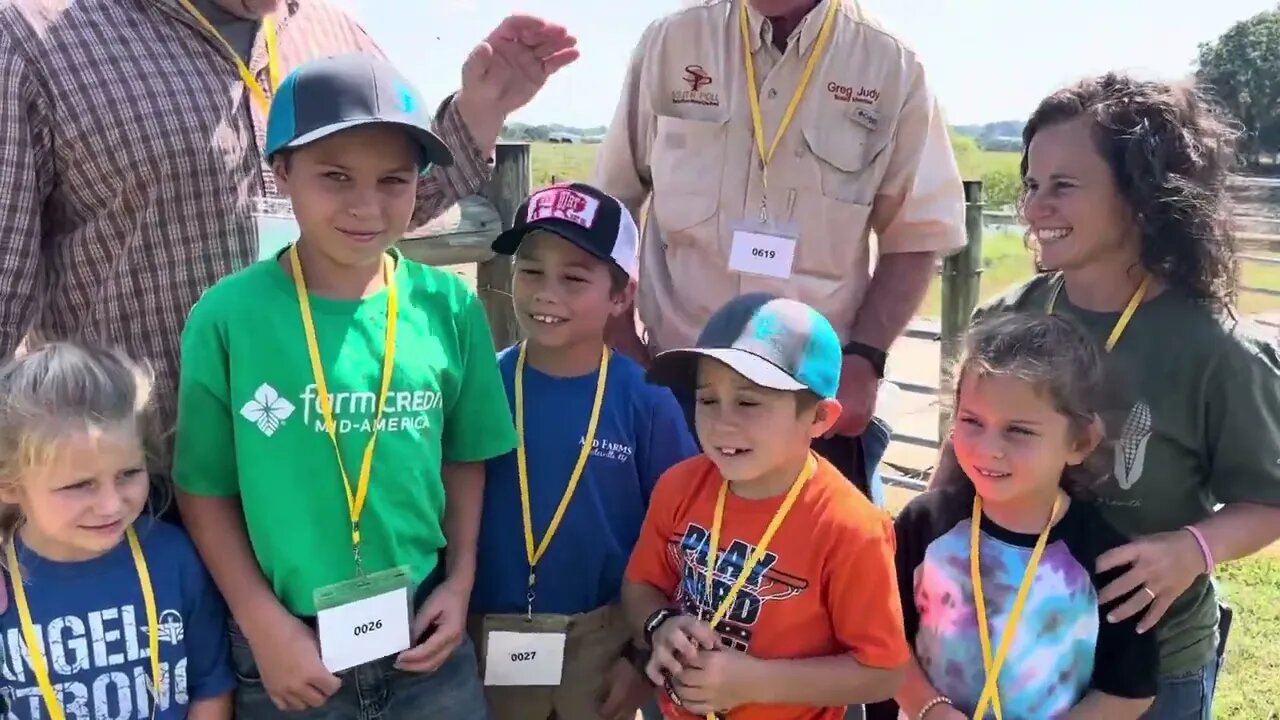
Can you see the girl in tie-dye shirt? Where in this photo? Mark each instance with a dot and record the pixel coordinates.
(1026, 426)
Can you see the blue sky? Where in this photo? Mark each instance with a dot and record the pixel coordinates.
(987, 59)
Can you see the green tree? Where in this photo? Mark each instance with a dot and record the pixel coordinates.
(965, 149)
(1242, 68)
(1001, 187)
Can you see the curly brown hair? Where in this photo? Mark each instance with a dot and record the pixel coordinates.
(1060, 360)
(1171, 151)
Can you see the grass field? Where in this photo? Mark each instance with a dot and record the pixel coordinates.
(1005, 259)
(1249, 688)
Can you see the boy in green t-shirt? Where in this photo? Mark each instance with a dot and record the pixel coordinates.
(337, 555)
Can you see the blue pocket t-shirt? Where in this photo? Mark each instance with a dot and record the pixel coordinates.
(641, 432)
(92, 622)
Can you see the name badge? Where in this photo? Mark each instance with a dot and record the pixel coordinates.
(760, 250)
(277, 227)
(524, 659)
(363, 620)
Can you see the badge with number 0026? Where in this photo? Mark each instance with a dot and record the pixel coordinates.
(363, 619)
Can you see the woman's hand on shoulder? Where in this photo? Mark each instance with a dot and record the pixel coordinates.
(1160, 568)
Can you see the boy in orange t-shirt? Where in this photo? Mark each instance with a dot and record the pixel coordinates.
(815, 624)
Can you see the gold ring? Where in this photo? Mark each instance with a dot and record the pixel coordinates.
(1149, 592)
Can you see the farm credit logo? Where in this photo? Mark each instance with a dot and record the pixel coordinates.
(403, 410)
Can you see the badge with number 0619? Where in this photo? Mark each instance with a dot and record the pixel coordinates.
(766, 249)
(364, 619)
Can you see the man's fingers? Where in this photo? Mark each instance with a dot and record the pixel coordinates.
(477, 64)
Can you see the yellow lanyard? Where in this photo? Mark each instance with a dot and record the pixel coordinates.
(534, 555)
(990, 693)
(356, 498)
(810, 466)
(753, 91)
(1134, 301)
(36, 654)
(273, 58)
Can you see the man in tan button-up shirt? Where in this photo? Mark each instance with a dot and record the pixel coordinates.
(866, 150)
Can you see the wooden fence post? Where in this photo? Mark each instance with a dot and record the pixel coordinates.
(961, 276)
(509, 186)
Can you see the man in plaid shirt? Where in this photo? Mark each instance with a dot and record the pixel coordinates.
(130, 163)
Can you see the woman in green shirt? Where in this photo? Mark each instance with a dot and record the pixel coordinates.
(1125, 200)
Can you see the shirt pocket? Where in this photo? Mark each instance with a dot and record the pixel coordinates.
(687, 165)
(845, 151)
(833, 221)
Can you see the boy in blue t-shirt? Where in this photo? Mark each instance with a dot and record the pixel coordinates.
(562, 513)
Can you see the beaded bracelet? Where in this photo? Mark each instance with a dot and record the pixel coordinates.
(940, 700)
(1204, 547)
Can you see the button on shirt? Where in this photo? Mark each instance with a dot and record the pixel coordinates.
(867, 149)
(132, 156)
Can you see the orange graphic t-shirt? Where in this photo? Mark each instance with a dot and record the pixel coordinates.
(826, 584)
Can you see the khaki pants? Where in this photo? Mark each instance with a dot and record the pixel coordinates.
(594, 641)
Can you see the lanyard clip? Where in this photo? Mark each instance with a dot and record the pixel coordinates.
(529, 596)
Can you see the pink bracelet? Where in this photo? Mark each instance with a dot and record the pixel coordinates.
(1204, 547)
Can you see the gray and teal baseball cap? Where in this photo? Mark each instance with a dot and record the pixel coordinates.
(339, 92)
(774, 342)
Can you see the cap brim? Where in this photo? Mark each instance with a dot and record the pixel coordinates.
(508, 241)
(434, 151)
(678, 369)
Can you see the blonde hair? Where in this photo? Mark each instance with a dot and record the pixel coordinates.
(57, 390)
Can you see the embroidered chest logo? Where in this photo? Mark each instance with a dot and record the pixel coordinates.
(696, 78)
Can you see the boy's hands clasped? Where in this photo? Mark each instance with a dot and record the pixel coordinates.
(295, 677)
(688, 658)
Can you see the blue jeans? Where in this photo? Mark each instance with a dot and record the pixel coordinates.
(1188, 696)
(372, 691)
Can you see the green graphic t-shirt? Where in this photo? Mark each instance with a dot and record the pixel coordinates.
(249, 421)
(1192, 420)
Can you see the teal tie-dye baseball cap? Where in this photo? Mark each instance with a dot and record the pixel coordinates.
(772, 341)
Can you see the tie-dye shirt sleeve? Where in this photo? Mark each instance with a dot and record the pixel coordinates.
(1063, 647)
